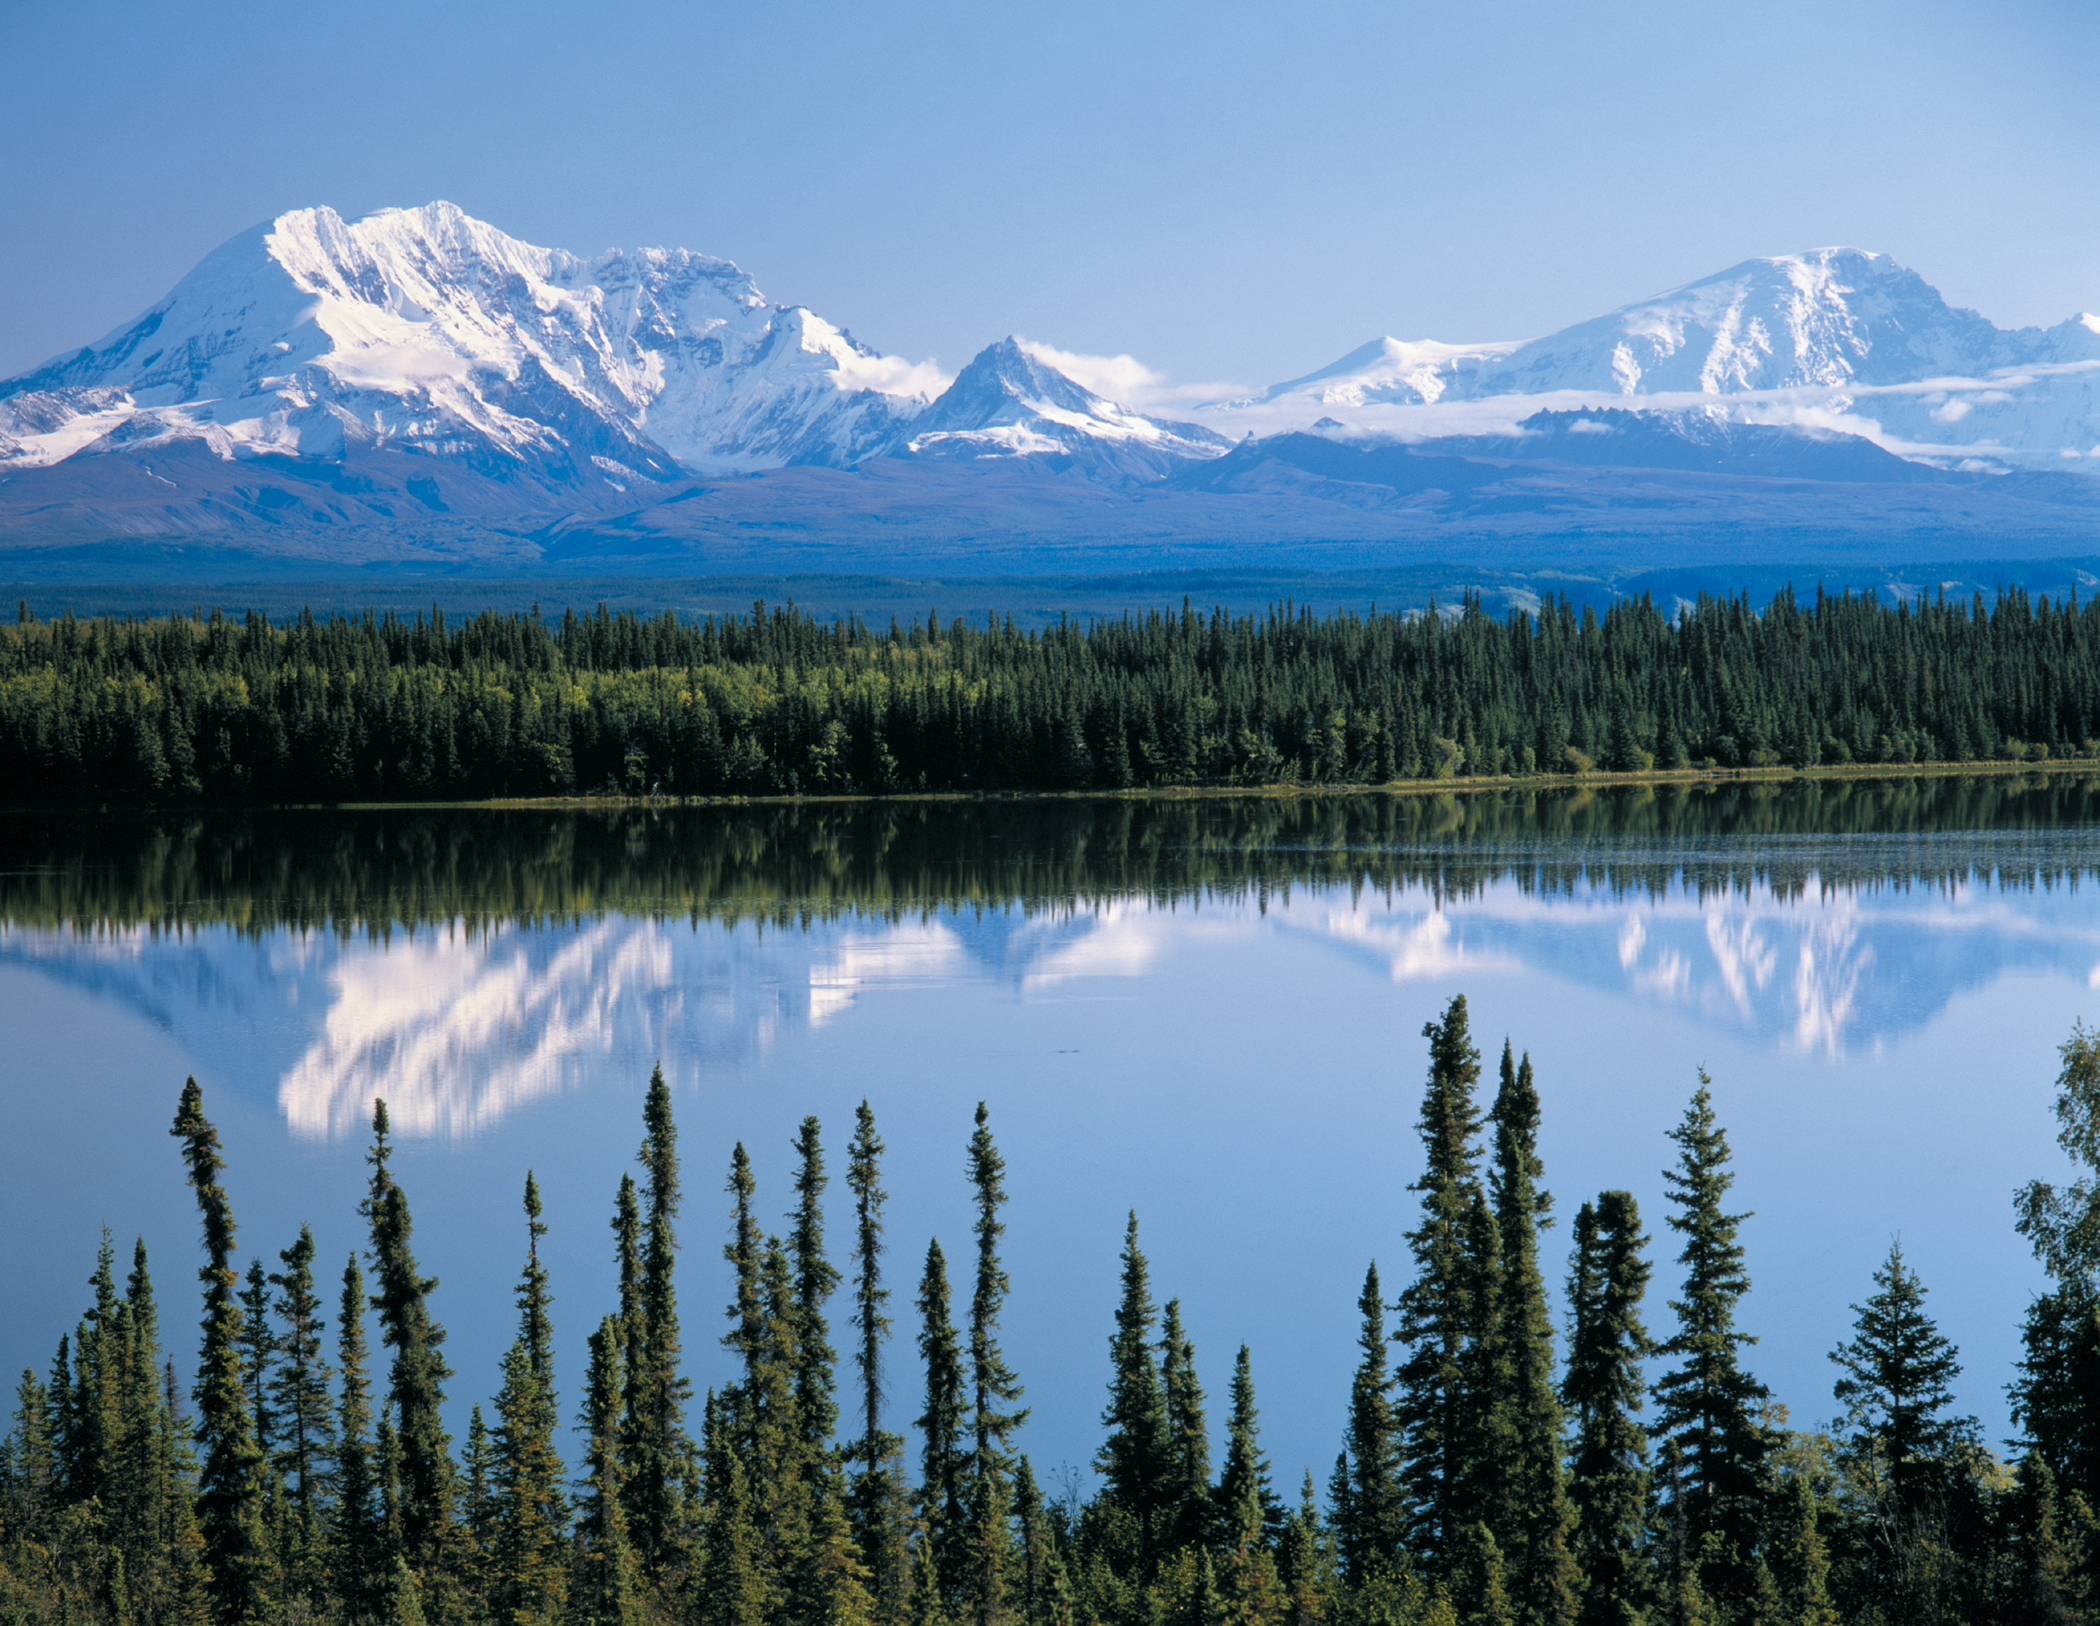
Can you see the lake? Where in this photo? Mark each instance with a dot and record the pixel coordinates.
(1208, 1010)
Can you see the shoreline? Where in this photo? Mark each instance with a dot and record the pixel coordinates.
(1289, 790)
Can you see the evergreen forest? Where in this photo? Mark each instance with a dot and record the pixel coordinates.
(210, 708)
(1527, 1440)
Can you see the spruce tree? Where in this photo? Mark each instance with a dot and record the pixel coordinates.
(230, 1495)
(1430, 1409)
(1132, 1459)
(1534, 1517)
(656, 1449)
(354, 1537)
(529, 1512)
(604, 1588)
(943, 1460)
(816, 1279)
(1246, 1470)
(1603, 1391)
(1369, 1516)
(1707, 1407)
(415, 1390)
(1898, 1368)
(1186, 1487)
(879, 1506)
(994, 1388)
(306, 1456)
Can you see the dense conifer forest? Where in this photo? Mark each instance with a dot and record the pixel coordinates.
(1519, 1447)
(211, 708)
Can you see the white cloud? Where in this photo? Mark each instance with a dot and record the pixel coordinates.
(1127, 380)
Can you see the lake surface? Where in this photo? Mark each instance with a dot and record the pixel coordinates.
(1206, 1010)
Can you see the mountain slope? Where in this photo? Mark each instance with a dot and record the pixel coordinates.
(430, 332)
(1833, 338)
(1011, 403)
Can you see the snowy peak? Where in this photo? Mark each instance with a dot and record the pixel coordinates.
(1011, 403)
(427, 331)
(1834, 338)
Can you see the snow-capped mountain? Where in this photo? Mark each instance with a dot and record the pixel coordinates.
(1009, 402)
(1833, 339)
(424, 331)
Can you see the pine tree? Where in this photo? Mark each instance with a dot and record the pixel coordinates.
(300, 1394)
(941, 1478)
(355, 1534)
(230, 1497)
(656, 1449)
(994, 1387)
(1898, 1368)
(529, 1512)
(604, 1588)
(415, 1393)
(259, 1348)
(1132, 1459)
(1369, 1516)
(1436, 1309)
(1707, 1407)
(1186, 1487)
(878, 1503)
(1305, 1563)
(1536, 1519)
(1603, 1391)
(1246, 1471)
(816, 1279)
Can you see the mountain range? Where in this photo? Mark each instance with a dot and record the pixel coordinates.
(416, 389)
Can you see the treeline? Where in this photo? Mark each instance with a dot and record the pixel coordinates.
(380, 707)
(1486, 1477)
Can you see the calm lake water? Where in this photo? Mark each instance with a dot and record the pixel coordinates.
(1209, 1011)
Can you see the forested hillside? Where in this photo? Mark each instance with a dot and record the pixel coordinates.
(1509, 1455)
(378, 707)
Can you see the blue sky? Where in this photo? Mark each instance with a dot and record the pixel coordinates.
(1230, 190)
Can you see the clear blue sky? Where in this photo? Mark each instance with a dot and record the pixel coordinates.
(1228, 190)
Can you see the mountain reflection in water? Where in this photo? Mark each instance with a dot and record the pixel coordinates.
(466, 962)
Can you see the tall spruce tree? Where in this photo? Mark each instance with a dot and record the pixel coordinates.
(1707, 1407)
(306, 1454)
(529, 1512)
(994, 1388)
(1370, 1519)
(1431, 1407)
(1536, 1520)
(1603, 1391)
(1186, 1484)
(416, 1384)
(1246, 1470)
(230, 1493)
(1897, 1370)
(880, 1513)
(354, 1537)
(657, 1452)
(816, 1279)
(1133, 1457)
(604, 1585)
(943, 1462)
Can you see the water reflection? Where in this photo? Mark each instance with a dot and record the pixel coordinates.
(467, 964)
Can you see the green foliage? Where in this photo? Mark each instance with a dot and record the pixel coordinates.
(375, 706)
(1603, 1390)
(107, 1519)
(1708, 1408)
(230, 1492)
(1433, 1408)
